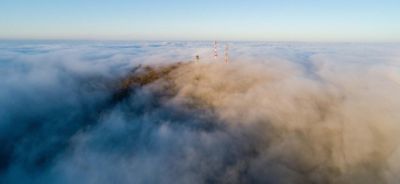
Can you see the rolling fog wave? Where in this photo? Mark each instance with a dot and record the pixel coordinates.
(123, 113)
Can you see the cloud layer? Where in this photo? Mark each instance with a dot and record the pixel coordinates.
(277, 113)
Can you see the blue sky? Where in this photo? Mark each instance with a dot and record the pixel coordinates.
(261, 20)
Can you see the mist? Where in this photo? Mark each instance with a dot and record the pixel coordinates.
(146, 112)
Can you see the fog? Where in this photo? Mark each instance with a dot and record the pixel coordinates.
(145, 112)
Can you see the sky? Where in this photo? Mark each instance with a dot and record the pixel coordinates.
(241, 20)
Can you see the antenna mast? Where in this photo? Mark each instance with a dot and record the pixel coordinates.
(226, 53)
(215, 50)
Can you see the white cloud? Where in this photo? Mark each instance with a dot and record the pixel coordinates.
(278, 113)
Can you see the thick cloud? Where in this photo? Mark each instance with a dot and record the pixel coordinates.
(76, 112)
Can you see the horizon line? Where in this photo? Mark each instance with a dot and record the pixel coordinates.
(190, 40)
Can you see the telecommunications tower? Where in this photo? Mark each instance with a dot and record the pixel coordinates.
(215, 50)
(226, 53)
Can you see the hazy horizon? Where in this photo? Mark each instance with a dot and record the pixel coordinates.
(40, 41)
